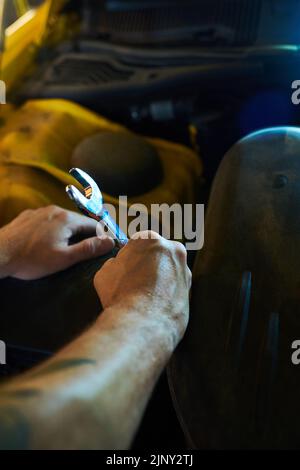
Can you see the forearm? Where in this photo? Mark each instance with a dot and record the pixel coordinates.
(93, 393)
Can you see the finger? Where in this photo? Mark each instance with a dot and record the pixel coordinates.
(90, 248)
(138, 236)
(81, 224)
(101, 231)
(106, 265)
(146, 235)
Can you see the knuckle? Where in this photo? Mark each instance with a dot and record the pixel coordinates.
(146, 235)
(52, 208)
(48, 211)
(27, 212)
(180, 250)
(88, 246)
(140, 242)
(100, 275)
(107, 265)
(58, 213)
(150, 234)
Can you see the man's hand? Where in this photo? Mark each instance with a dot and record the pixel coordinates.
(92, 394)
(37, 243)
(150, 276)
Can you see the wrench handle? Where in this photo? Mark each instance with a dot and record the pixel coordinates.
(113, 229)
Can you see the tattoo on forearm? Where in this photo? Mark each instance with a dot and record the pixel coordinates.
(19, 393)
(14, 429)
(59, 366)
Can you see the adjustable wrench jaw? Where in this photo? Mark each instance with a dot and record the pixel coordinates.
(91, 204)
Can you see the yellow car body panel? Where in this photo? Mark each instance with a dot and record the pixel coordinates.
(36, 145)
(23, 38)
(21, 6)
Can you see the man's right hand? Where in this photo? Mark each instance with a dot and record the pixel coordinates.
(93, 393)
(151, 276)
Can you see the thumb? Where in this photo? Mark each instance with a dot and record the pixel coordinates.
(90, 248)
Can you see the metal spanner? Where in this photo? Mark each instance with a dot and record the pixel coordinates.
(91, 204)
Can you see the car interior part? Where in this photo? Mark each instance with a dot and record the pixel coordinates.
(232, 378)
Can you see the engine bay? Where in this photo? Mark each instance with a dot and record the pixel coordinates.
(149, 98)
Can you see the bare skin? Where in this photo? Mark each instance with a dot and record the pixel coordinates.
(92, 394)
(36, 243)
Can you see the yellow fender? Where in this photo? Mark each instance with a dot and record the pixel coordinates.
(36, 145)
